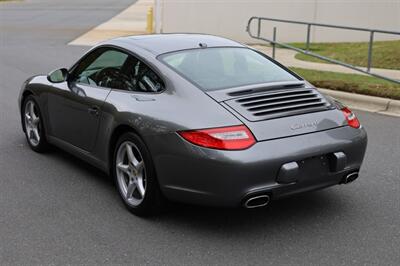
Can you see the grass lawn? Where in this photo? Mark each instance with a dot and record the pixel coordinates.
(350, 83)
(386, 54)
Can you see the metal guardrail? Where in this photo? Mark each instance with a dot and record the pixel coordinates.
(307, 51)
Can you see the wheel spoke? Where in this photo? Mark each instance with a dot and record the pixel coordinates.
(28, 117)
(139, 167)
(123, 167)
(35, 121)
(29, 131)
(131, 156)
(140, 186)
(129, 152)
(130, 189)
(36, 134)
(31, 110)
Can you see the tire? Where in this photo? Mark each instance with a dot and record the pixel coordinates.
(33, 125)
(135, 176)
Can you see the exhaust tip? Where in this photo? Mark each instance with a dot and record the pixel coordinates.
(350, 177)
(257, 201)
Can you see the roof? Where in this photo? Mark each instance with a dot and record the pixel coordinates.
(163, 43)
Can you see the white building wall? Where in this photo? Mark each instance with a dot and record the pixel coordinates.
(229, 17)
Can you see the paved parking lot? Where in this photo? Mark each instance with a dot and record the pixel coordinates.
(55, 209)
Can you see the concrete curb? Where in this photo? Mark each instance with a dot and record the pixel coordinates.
(366, 103)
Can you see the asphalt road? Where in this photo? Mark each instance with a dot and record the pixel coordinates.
(55, 209)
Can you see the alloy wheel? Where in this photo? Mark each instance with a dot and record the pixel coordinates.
(131, 173)
(32, 123)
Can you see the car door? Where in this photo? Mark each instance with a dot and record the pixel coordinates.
(76, 108)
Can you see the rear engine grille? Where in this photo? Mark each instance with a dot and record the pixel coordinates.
(279, 103)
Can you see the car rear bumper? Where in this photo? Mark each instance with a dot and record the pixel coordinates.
(226, 178)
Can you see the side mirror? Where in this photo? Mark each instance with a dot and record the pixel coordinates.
(58, 75)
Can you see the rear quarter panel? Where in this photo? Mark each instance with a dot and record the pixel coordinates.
(181, 106)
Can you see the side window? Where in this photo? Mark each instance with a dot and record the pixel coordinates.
(103, 68)
(111, 68)
(145, 79)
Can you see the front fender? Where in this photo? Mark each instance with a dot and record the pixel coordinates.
(27, 88)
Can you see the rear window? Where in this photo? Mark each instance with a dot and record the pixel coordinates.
(218, 68)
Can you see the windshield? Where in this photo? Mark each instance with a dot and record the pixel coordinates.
(218, 68)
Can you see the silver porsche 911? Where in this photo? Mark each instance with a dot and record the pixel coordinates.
(193, 118)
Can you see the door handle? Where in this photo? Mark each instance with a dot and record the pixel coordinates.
(95, 110)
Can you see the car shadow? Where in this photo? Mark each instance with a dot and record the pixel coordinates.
(284, 214)
(301, 211)
(78, 165)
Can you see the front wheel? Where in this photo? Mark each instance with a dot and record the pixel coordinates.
(33, 125)
(135, 176)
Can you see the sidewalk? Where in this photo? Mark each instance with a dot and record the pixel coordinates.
(131, 21)
(287, 58)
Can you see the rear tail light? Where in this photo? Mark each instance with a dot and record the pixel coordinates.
(351, 117)
(224, 138)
